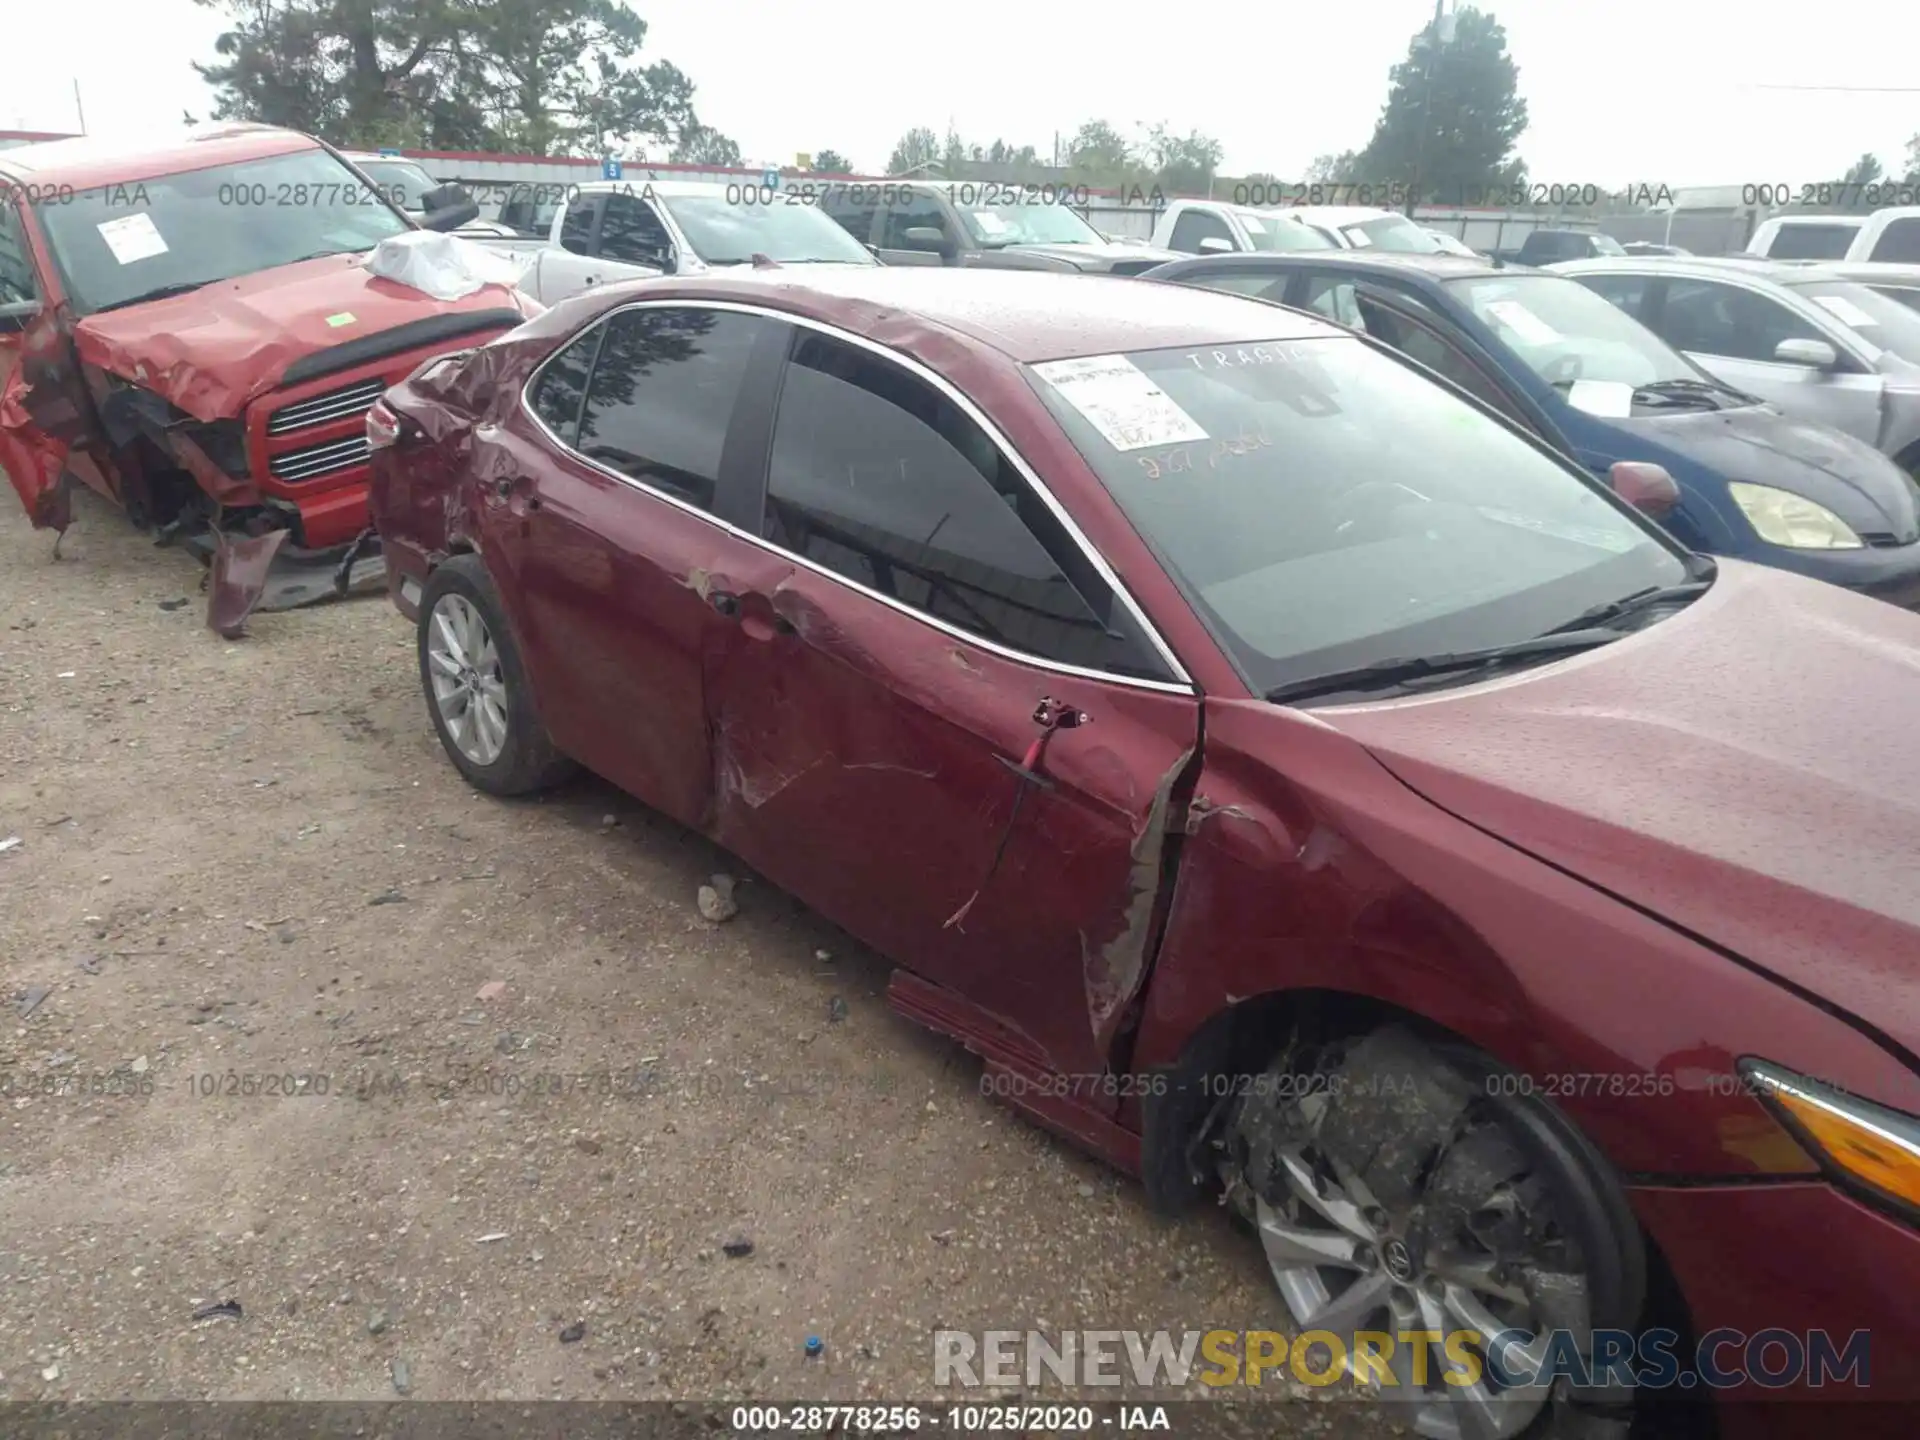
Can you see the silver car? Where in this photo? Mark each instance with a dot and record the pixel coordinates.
(1817, 343)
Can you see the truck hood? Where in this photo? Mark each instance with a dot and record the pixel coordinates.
(1748, 769)
(1104, 258)
(1759, 444)
(212, 351)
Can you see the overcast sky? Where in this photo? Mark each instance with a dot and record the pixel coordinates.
(1624, 92)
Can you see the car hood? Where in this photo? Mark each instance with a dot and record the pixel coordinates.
(1760, 445)
(1748, 769)
(213, 350)
(1105, 256)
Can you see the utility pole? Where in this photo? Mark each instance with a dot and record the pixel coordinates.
(79, 109)
(1435, 39)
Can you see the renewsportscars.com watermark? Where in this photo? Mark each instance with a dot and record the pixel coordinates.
(1381, 1361)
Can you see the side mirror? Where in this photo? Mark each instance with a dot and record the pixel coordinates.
(18, 314)
(448, 208)
(1645, 486)
(1214, 245)
(926, 237)
(1814, 354)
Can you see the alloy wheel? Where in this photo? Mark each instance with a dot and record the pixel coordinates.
(1456, 1232)
(469, 686)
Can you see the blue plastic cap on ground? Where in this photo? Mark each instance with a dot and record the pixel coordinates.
(815, 1345)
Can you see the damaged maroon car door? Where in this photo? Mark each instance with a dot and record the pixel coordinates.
(937, 719)
(594, 565)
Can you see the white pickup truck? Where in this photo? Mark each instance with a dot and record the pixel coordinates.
(1213, 227)
(1890, 236)
(613, 230)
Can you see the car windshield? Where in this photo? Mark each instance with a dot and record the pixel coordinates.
(1565, 333)
(1018, 224)
(1391, 232)
(1880, 320)
(1326, 506)
(1280, 232)
(401, 181)
(1607, 245)
(171, 232)
(728, 234)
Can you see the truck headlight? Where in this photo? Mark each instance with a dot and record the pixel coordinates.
(1782, 518)
(1878, 1147)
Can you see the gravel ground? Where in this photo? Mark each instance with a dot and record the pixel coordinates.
(247, 861)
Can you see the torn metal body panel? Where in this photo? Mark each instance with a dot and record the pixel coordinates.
(231, 395)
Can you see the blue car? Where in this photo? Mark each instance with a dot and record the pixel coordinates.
(1590, 380)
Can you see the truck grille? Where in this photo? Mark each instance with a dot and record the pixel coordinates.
(355, 399)
(310, 462)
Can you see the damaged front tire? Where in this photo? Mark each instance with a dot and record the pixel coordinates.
(1400, 1191)
(476, 685)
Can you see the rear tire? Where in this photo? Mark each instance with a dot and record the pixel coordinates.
(476, 685)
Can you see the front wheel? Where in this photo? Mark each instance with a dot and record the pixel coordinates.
(476, 685)
(1396, 1186)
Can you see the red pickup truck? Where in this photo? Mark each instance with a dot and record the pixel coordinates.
(190, 328)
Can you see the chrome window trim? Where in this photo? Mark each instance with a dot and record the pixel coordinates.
(1182, 685)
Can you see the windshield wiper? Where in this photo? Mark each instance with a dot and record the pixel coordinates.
(1653, 595)
(1383, 674)
(1703, 388)
(159, 292)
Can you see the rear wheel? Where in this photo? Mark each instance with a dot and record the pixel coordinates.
(1397, 1185)
(476, 685)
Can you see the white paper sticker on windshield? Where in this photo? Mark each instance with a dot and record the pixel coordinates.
(1128, 409)
(1843, 310)
(1252, 222)
(1610, 398)
(1357, 238)
(1522, 322)
(990, 222)
(132, 237)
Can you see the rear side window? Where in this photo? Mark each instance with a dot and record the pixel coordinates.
(562, 385)
(882, 479)
(1197, 225)
(1899, 242)
(1812, 242)
(1629, 292)
(17, 280)
(662, 396)
(1260, 284)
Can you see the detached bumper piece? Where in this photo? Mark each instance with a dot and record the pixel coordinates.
(249, 573)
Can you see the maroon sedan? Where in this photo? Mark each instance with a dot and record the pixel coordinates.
(1300, 786)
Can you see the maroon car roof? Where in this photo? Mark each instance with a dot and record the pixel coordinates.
(1028, 315)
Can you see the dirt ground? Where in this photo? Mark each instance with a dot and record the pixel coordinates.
(247, 869)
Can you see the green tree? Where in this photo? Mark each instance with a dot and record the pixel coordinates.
(546, 76)
(701, 145)
(832, 162)
(1098, 154)
(918, 147)
(1182, 164)
(1334, 169)
(1453, 114)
